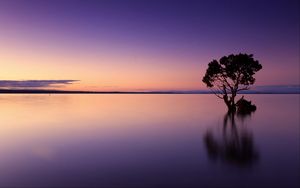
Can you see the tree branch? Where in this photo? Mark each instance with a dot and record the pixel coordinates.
(244, 88)
(217, 94)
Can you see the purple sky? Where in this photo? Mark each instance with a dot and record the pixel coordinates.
(172, 39)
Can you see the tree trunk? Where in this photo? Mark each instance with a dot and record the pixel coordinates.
(230, 103)
(233, 106)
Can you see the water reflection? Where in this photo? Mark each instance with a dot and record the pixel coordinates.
(235, 145)
(146, 141)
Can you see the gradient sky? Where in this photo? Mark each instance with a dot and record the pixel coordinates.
(145, 45)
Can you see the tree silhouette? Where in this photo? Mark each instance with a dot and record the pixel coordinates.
(230, 75)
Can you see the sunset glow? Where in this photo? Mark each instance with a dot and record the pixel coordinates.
(144, 45)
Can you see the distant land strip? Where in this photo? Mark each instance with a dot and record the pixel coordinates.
(42, 91)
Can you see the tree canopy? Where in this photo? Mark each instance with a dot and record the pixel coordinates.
(230, 75)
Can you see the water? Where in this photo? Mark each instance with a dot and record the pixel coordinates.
(147, 141)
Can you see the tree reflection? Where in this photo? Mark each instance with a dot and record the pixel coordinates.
(235, 145)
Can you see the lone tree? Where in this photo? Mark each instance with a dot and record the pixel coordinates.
(230, 75)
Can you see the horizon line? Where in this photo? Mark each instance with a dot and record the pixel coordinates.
(54, 91)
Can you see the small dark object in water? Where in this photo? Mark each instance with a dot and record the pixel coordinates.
(244, 106)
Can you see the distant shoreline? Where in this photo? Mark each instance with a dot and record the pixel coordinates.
(6, 91)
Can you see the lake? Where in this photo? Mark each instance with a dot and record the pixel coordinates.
(120, 140)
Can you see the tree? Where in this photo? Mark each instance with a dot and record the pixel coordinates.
(230, 75)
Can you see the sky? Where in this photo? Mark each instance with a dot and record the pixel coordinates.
(143, 45)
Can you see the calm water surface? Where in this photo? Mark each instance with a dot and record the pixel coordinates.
(147, 141)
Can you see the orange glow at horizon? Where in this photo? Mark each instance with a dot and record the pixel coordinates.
(104, 70)
(99, 72)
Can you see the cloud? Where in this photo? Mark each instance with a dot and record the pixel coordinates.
(17, 84)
